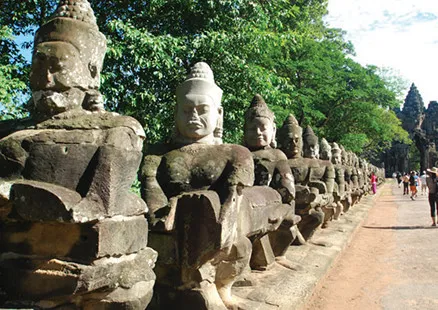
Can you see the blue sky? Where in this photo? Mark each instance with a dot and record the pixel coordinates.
(399, 34)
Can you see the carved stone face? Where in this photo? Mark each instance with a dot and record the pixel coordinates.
(196, 116)
(325, 151)
(355, 161)
(58, 77)
(259, 133)
(311, 150)
(344, 156)
(337, 158)
(350, 158)
(292, 145)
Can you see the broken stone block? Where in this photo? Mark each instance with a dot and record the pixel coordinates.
(135, 298)
(26, 278)
(39, 201)
(81, 242)
(258, 202)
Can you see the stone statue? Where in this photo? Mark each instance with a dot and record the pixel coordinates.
(322, 174)
(271, 169)
(340, 194)
(71, 231)
(306, 171)
(363, 167)
(347, 177)
(203, 209)
(356, 192)
(330, 208)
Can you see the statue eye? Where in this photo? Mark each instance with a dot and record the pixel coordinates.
(203, 109)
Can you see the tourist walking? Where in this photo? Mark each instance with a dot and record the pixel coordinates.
(431, 181)
(399, 179)
(423, 183)
(405, 184)
(413, 182)
(373, 183)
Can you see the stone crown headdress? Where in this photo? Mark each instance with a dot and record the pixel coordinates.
(74, 22)
(325, 146)
(290, 126)
(258, 108)
(200, 81)
(336, 150)
(309, 136)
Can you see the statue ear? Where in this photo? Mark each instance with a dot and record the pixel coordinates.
(93, 70)
(274, 135)
(219, 124)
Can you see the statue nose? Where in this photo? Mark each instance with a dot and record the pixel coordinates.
(49, 80)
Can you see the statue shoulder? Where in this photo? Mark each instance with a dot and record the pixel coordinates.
(242, 165)
(237, 152)
(279, 154)
(270, 154)
(82, 119)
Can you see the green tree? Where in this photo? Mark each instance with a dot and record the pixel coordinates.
(280, 49)
(11, 85)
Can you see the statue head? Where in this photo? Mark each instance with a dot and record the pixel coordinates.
(310, 144)
(350, 156)
(344, 155)
(365, 164)
(290, 138)
(67, 60)
(198, 114)
(355, 160)
(326, 150)
(259, 130)
(336, 154)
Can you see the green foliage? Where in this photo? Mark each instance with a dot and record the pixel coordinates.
(280, 49)
(11, 86)
(414, 158)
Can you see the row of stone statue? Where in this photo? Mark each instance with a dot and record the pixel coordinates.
(215, 208)
(73, 235)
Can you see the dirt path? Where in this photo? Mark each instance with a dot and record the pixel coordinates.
(389, 264)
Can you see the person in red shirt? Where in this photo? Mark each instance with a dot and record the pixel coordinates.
(373, 183)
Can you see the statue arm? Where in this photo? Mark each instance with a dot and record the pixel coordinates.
(12, 158)
(239, 173)
(151, 190)
(12, 162)
(329, 179)
(283, 181)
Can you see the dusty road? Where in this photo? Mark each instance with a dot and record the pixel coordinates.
(392, 262)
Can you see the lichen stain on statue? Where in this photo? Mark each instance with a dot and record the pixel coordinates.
(193, 188)
(312, 192)
(71, 232)
(271, 169)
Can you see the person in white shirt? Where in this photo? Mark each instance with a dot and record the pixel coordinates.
(423, 183)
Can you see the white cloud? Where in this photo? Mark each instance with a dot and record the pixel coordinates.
(401, 34)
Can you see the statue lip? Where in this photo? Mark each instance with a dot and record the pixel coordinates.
(194, 124)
